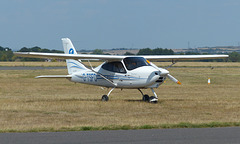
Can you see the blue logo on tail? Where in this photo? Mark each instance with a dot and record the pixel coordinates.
(71, 51)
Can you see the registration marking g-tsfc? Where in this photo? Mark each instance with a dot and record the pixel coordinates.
(90, 77)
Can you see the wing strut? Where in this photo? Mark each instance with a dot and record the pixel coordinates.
(105, 78)
(100, 74)
(173, 63)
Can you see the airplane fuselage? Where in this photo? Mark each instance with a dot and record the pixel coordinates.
(141, 77)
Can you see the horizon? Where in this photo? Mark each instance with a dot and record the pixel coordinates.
(126, 48)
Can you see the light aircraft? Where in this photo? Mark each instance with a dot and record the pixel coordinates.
(124, 72)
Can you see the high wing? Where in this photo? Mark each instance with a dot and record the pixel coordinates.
(117, 57)
(184, 57)
(68, 56)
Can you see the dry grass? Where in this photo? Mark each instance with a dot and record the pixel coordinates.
(27, 103)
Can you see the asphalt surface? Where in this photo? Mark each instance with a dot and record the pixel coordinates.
(28, 68)
(163, 136)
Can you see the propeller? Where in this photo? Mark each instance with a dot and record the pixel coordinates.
(173, 79)
(165, 72)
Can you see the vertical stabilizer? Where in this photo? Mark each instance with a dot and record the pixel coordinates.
(72, 65)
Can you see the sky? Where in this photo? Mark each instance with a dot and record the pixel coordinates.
(107, 24)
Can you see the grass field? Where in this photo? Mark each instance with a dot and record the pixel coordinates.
(28, 104)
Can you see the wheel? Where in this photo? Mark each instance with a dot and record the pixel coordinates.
(105, 98)
(153, 99)
(145, 98)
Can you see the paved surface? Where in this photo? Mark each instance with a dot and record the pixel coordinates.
(168, 136)
(28, 68)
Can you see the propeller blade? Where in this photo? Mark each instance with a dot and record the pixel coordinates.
(173, 79)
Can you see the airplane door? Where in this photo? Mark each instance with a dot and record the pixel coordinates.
(131, 78)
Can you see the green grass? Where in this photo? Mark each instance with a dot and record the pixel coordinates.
(128, 127)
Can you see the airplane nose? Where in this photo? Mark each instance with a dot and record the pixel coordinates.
(155, 75)
(163, 71)
(166, 73)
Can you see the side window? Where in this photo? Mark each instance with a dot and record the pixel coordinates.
(114, 67)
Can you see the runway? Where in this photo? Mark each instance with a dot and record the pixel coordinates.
(28, 68)
(163, 136)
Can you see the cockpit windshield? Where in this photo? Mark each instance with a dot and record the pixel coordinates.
(135, 62)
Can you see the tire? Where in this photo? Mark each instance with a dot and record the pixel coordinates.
(145, 98)
(105, 98)
(152, 98)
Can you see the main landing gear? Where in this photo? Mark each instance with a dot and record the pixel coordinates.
(146, 98)
(151, 99)
(106, 97)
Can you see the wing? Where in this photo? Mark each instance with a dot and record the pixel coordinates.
(117, 57)
(184, 57)
(68, 56)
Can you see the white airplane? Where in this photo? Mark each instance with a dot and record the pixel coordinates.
(124, 72)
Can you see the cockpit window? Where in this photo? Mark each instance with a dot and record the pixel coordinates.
(134, 62)
(114, 67)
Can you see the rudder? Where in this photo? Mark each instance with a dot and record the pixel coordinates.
(72, 65)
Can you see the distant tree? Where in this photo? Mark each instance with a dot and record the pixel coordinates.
(24, 49)
(145, 51)
(45, 50)
(5, 49)
(234, 57)
(2, 48)
(192, 53)
(4, 57)
(156, 51)
(6, 54)
(97, 51)
(128, 53)
(36, 49)
(56, 51)
(168, 51)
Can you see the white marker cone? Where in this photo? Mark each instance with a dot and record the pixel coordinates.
(209, 81)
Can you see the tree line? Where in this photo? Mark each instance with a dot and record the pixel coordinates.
(6, 54)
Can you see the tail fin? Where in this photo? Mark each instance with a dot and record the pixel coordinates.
(72, 65)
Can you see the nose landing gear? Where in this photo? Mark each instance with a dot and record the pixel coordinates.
(151, 99)
(145, 98)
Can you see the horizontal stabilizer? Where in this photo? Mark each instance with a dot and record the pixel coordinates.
(54, 76)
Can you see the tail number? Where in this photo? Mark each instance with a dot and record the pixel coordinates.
(89, 77)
